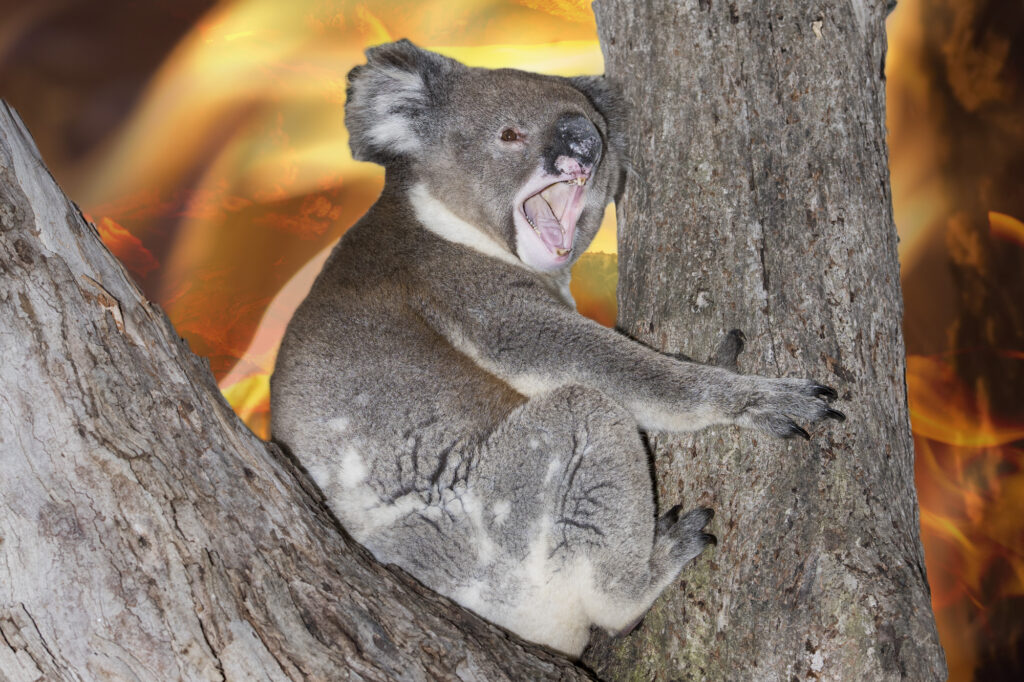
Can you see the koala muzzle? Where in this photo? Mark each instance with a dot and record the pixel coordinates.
(575, 147)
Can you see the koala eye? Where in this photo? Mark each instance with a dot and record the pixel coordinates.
(510, 135)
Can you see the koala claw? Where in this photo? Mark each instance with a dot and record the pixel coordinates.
(797, 430)
(669, 519)
(782, 403)
(826, 392)
(699, 517)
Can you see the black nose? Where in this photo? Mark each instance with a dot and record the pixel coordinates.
(576, 137)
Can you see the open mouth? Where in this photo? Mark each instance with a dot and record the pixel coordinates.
(553, 212)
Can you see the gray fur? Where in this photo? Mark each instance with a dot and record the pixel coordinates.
(463, 421)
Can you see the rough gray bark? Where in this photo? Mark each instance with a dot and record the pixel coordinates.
(760, 200)
(145, 533)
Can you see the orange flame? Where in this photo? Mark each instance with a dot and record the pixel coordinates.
(126, 246)
(1006, 227)
(942, 410)
(971, 490)
(238, 158)
(240, 149)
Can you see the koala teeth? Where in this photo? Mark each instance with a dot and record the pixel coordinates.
(552, 214)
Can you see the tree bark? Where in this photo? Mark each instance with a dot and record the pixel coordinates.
(145, 533)
(759, 199)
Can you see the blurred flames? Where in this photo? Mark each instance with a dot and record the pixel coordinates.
(919, 187)
(226, 186)
(126, 246)
(235, 164)
(970, 485)
(942, 409)
(1006, 227)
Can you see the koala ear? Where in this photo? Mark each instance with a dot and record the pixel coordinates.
(390, 100)
(605, 96)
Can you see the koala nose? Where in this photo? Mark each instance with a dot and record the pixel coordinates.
(575, 148)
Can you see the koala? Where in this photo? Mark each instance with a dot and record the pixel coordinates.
(461, 418)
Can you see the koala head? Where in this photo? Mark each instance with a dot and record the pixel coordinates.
(532, 160)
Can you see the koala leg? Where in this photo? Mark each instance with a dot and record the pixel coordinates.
(572, 507)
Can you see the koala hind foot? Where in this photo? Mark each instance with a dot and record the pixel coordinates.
(679, 539)
(686, 533)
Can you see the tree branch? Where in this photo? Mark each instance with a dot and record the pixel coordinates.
(144, 531)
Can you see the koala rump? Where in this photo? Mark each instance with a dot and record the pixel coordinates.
(462, 420)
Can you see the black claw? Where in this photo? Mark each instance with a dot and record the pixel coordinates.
(826, 392)
(835, 414)
(669, 519)
(709, 539)
(672, 515)
(796, 430)
(700, 514)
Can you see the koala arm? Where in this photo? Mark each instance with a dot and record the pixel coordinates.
(537, 347)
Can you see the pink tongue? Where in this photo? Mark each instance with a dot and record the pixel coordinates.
(545, 221)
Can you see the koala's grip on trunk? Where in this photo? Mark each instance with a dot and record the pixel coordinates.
(463, 421)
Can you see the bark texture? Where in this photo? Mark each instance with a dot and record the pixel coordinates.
(145, 532)
(759, 199)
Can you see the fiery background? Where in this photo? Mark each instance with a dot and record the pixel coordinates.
(205, 140)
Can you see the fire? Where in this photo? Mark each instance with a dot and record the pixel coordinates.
(235, 165)
(1006, 227)
(943, 410)
(126, 246)
(920, 191)
(225, 189)
(970, 485)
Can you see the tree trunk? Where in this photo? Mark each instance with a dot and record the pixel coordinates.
(145, 532)
(760, 200)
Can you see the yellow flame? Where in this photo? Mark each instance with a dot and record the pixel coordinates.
(941, 409)
(245, 117)
(1006, 227)
(920, 195)
(573, 10)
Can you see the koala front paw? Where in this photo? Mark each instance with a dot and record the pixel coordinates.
(776, 406)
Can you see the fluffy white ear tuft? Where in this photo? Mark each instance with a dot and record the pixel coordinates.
(390, 100)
